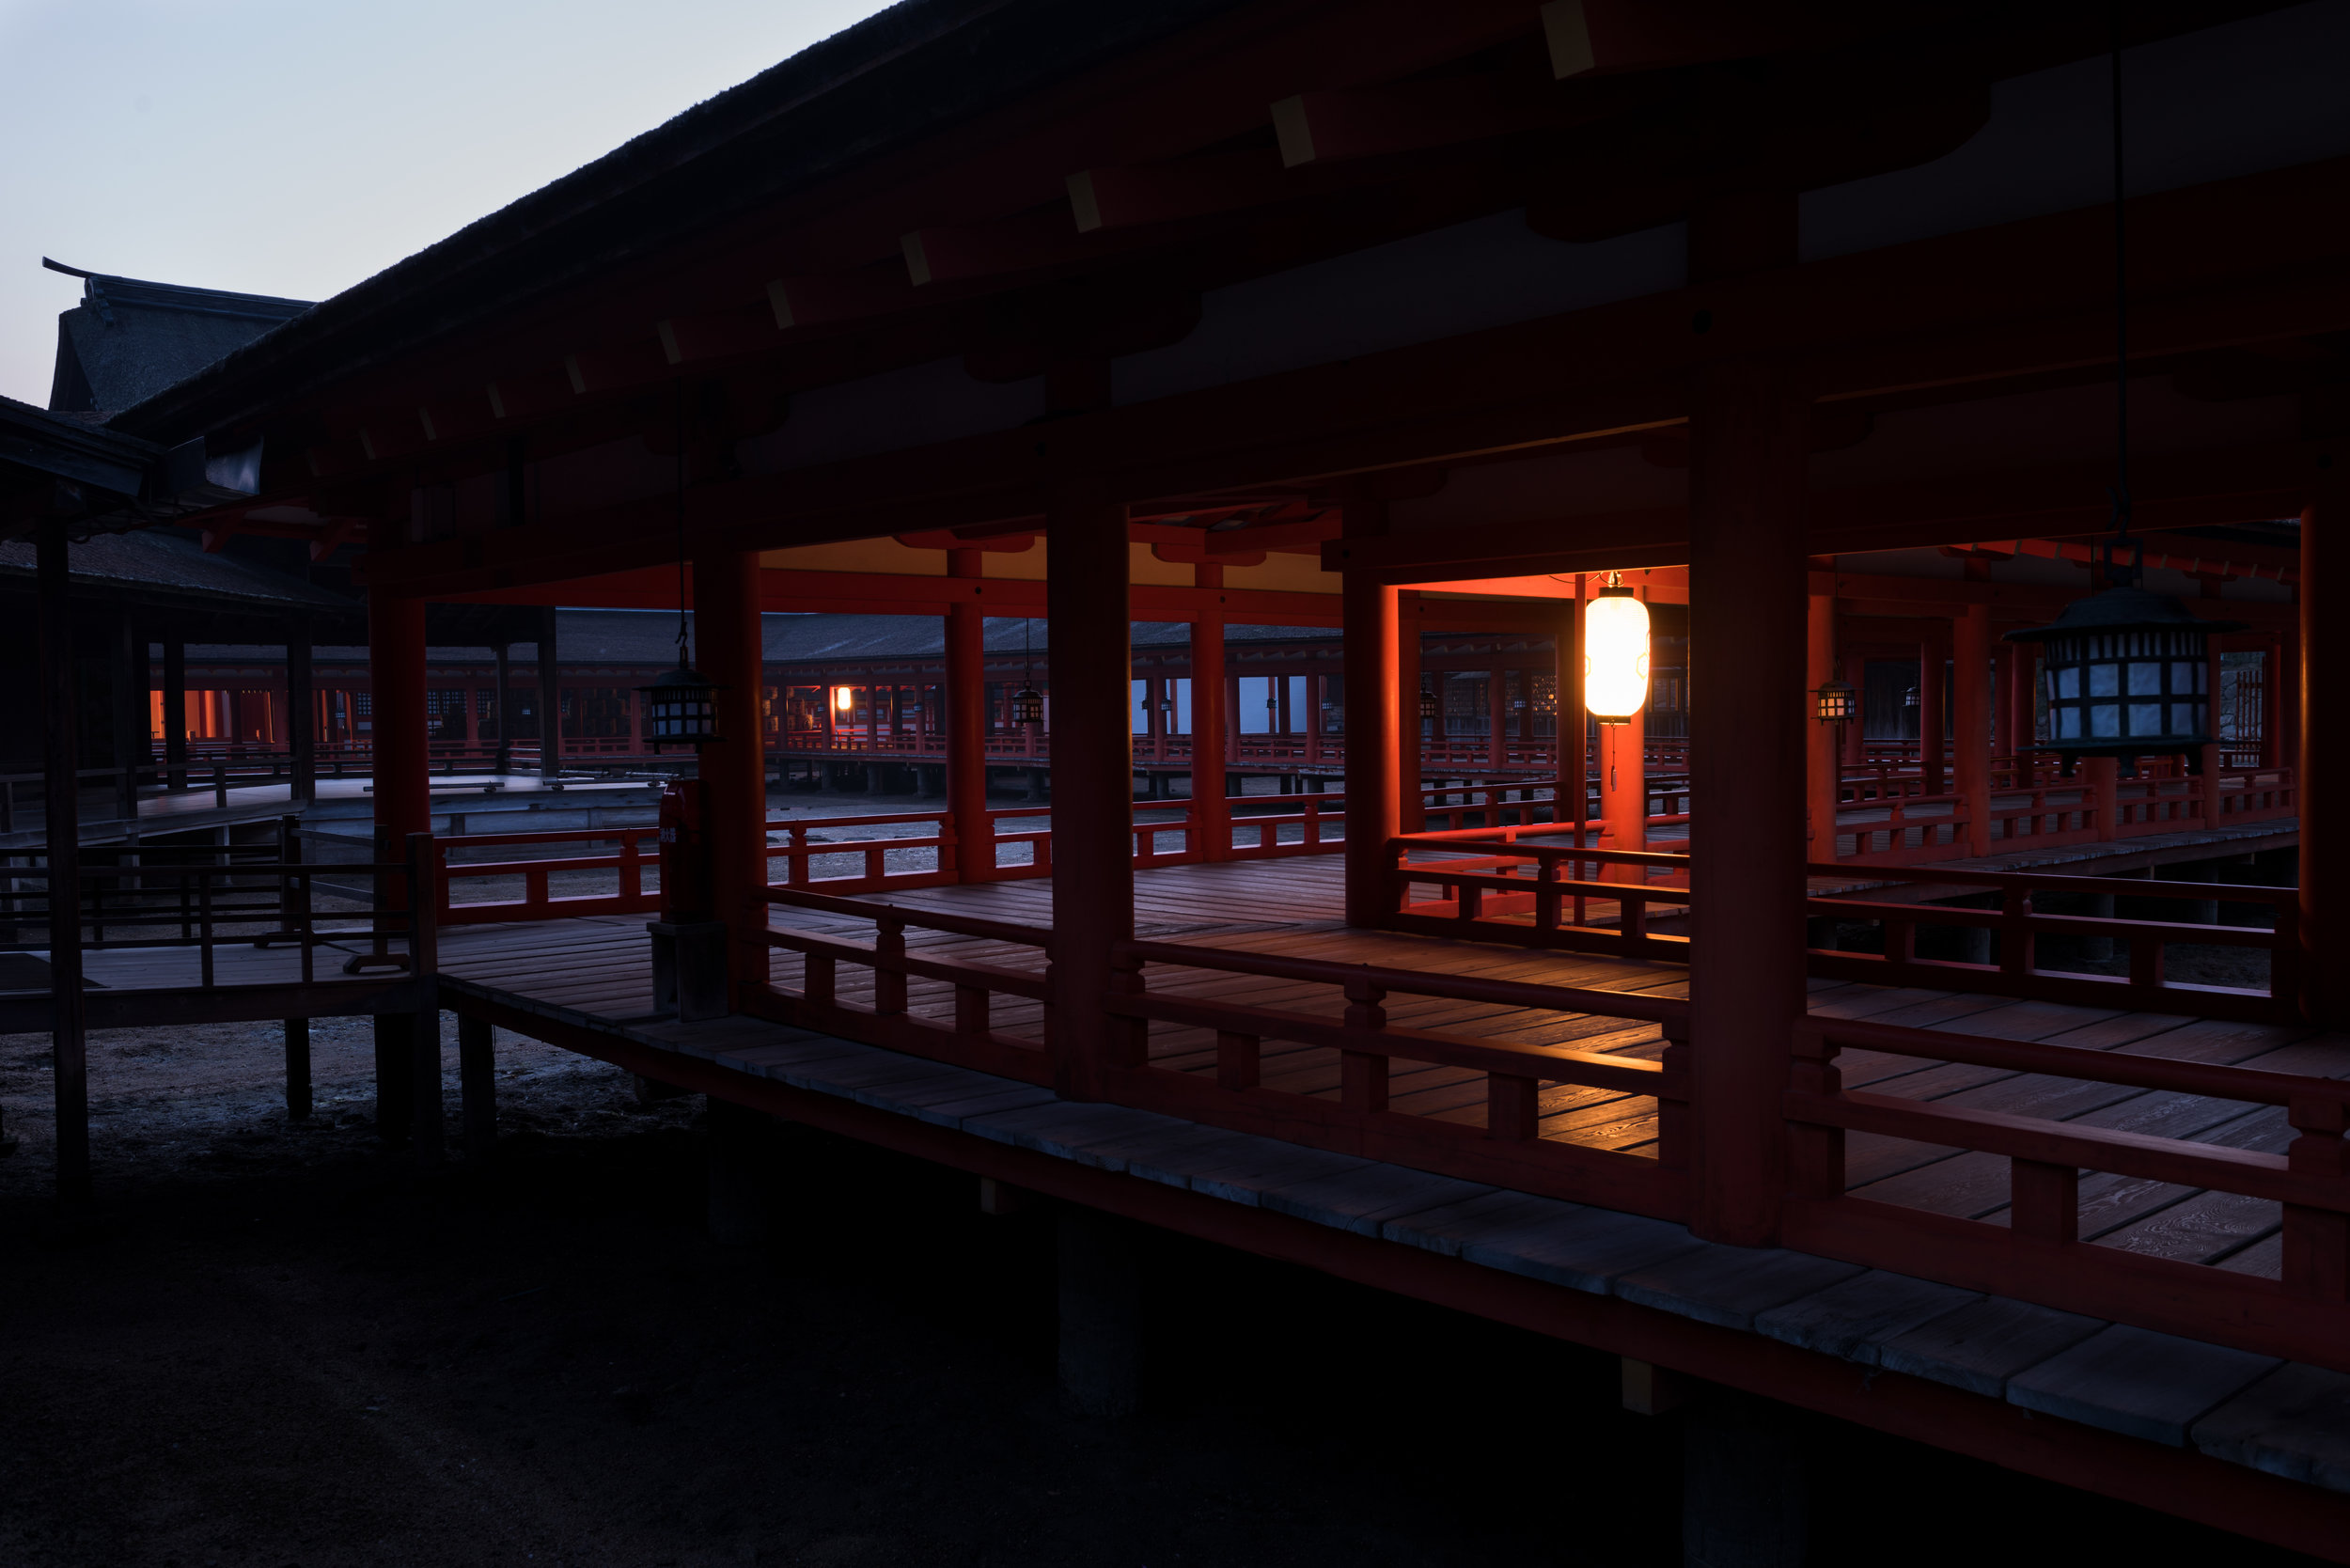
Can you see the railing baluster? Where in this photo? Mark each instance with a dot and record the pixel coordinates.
(971, 1006)
(1513, 1108)
(889, 956)
(1238, 1060)
(2317, 1241)
(1363, 1073)
(2044, 1201)
(819, 981)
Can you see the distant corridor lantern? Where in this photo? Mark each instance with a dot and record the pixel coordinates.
(1430, 709)
(1027, 706)
(2127, 674)
(1615, 654)
(844, 698)
(680, 708)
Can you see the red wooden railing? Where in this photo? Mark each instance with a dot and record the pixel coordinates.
(1539, 887)
(2037, 1253)
(2016, 928)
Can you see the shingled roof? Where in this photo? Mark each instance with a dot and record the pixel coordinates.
(130, 338)
(166, 562)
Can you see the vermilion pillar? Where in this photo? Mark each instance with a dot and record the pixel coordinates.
(1857, 732)
(1410, 744)
(1497, 716)
(1823, 770)
(967, 720)
(1932, 670)
(1209, 689)
(733, 772)
(403, 802)
(1748, 439)
(2323, 782)
(1374, 762)
(1970, 721)
(1093, 755)
(1572, 788)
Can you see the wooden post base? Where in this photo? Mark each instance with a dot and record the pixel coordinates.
(689, 968)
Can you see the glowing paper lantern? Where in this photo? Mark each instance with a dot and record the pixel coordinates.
(1615, 655)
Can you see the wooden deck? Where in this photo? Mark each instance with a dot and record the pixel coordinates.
(602, 967)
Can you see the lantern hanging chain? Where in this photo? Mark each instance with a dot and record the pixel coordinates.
(2116, 573)
(681, 659)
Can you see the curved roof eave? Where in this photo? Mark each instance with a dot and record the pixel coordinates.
(888, 81)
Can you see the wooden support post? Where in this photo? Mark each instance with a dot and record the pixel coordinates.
(1824, 772)
(176, 712)
(1410, 728)
(1100, 1291)
(396, 670)
(127, 694)
(2323, 780)
(1855, 670)
(298, 1070)
(2023, 679)
(1749, 443)
(61, 805)
(1374, 762)
(1932, 670)
(1210, 809)
(1571, 727)
(966, 724)
(550, 697)
(1092, 758)
(395, 1082)
(426, 1107)
(733, 768)
(476, 1087)
(1970, 716)
(301, 712)
(2273, 754)
(502, 708)
(1496, 718)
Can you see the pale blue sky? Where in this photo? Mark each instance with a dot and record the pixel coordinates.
(296, 147)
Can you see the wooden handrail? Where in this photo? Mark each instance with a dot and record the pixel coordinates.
(1414, 983)
(958, 925)
(2132, 1070)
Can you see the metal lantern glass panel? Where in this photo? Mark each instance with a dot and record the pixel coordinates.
(681, 709)
(2127, 674)
(1838, 702)
(1615, 656)
(1027, 706)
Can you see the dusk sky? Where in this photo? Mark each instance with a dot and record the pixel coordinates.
(296, 147)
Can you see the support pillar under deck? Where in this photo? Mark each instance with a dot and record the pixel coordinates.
(61, 807)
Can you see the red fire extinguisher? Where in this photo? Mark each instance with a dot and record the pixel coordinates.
(685, 881)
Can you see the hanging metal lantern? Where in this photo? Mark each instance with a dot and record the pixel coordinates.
(1430, 709)
(1615, 654)
(2125, 673)
(680, 708)
(1838, 702)
(1546, 694)
(1027, 706)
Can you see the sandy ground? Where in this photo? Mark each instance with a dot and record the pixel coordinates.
(271, 1345)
